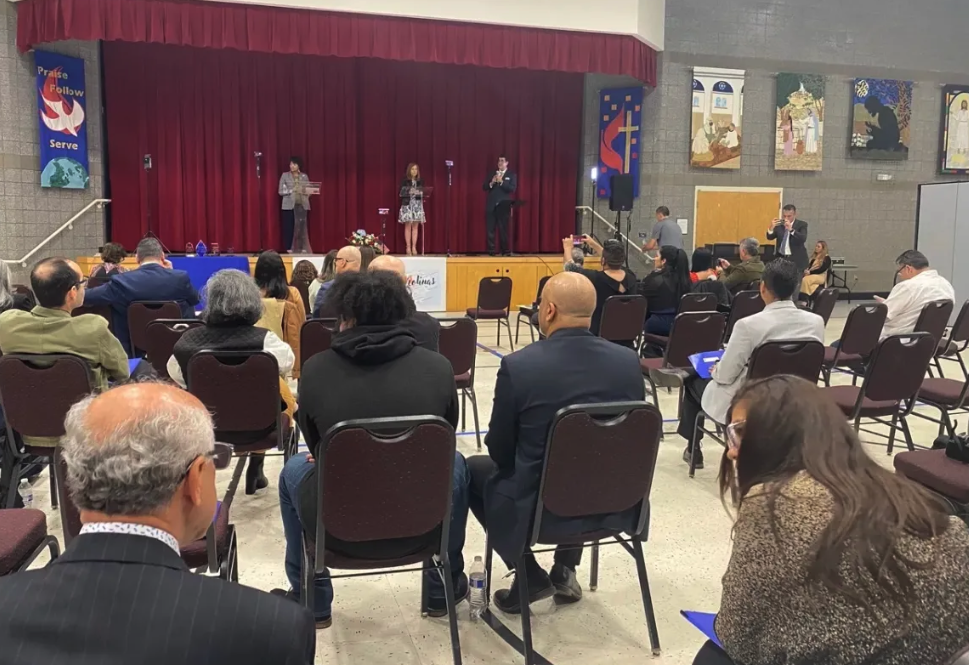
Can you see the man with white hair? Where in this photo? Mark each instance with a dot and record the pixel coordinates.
(750, 269)
(425, 328)
(140, 467)
(348, 259)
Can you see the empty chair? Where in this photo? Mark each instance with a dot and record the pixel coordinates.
(891, 386)
(622, 319)
(24, 538)
(160, 338)
(690, 302)
(745, 303)
(824, 302)
(943, 475)
(599, 465)
(528, 311)
(141, 313)
(494, 302)
(315, 336)
(858, 339)
(692, 332)
(956, 342)
(459, 344)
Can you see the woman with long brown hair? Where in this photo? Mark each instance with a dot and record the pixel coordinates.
(816, 274)
(412, 206)
(835, 558)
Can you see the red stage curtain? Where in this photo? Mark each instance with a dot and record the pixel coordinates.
(308, 32)
(357, 122)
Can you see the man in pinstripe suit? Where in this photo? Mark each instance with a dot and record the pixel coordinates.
(140, 469)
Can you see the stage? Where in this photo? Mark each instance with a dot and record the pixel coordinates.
(438, 283)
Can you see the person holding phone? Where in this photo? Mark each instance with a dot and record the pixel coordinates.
(612, 280)
(790, 235)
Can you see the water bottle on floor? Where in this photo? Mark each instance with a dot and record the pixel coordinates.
(26, 493)
(478, 580)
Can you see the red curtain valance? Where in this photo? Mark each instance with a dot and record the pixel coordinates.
(308, 32)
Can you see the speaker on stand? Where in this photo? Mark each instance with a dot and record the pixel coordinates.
(620, 201)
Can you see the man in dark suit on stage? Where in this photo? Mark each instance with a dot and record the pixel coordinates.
(153, 280)
(140, 466)
(499, 186)
(790, 235)
(571, 366)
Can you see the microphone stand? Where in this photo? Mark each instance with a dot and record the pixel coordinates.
(447, 225)
(258, 156)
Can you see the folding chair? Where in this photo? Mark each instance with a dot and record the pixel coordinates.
(315, 336)
(24, 539)
(946, 477)
(459, 344)
(858, 339)
(797, 357)
(891, 386)
(102, 310)
(951, 347)
(161, 335)
(494, 302)
(623, 318)
(528, 311)
(824, 303)
(36, 392)
(745, 303)
(141, 313)
(690, 302)
(362, 497)
(304, 294)
(599, 463)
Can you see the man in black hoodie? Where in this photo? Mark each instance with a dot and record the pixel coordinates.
(374, 369)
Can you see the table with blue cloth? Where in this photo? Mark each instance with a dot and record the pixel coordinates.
(200, 268)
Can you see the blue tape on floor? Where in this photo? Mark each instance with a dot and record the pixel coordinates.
(491, 351)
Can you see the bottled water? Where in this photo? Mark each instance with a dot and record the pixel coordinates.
(478, 580)
(26, 493)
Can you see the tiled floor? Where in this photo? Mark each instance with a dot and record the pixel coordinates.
(376, 620)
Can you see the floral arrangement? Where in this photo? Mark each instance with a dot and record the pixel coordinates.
(361, 238)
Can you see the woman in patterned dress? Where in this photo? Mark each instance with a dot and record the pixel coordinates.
(412, 206)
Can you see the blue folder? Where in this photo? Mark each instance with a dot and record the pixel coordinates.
(132, 363)
(704, 622)
(703, 362)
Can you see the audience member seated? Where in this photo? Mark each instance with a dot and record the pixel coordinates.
(918, 285)
(374, 369)
(58, 285)
(304, 272)
(835, 558)
(347, 260)
(327, 273)
(153, 280)
(780, 320)
(704, 277)
(572, 366)
(140, 469)
(233, 306)
(816, 275)
(576, 264)
(283, 311)
(424, 327)
(8, 298)
(663, 289)
(112, 254)
(739, 276)
(367, 255)
(612, 280)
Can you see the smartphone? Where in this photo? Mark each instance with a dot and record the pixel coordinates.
(577, 241)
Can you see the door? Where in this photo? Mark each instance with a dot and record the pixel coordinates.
(729, 216)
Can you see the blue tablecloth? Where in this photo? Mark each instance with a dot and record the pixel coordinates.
(200, 268)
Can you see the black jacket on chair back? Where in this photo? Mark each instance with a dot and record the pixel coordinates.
(573, 366)
(119, 599)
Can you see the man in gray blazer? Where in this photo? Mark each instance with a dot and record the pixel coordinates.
(779, 321)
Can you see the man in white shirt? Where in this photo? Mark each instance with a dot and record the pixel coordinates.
(918, 285)
(780, 320)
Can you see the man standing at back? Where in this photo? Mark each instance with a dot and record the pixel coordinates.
(347, 260)
(665, 232)
(153, 280)
(571, 366)
(790, 234)
(140, 467)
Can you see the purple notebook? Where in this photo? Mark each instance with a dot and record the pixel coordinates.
(704, 622)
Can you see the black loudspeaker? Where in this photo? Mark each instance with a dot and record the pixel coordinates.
(621, 199)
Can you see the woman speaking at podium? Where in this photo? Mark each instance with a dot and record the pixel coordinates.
(411, 206)
(296, 202)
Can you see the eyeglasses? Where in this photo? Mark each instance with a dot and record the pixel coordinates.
(735, 433)
(82, 282)
(209, 455)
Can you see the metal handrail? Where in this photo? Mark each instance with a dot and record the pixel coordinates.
(69, 224)
(587, 209)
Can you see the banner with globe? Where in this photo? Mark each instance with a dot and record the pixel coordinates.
(61, 100)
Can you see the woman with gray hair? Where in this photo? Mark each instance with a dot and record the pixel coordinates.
(9, 299)
(233, 305)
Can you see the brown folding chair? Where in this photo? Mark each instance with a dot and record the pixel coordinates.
(528, 311)
(363, 498)
(858, 339)
(934, 319)
(494, 302)
(24, 538)
(161, 335)
(946, 477)
(623, 318)
(315, 336)
(824, 303)
(690, 302)
(304, 294)
(215, 552)
(36, 392)
(951, 347)
(797, 357)
(141, 313)
(459, 344)
(692, 332)
(23, 290)
(745, 303)
(599, 463)
(891, 386)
